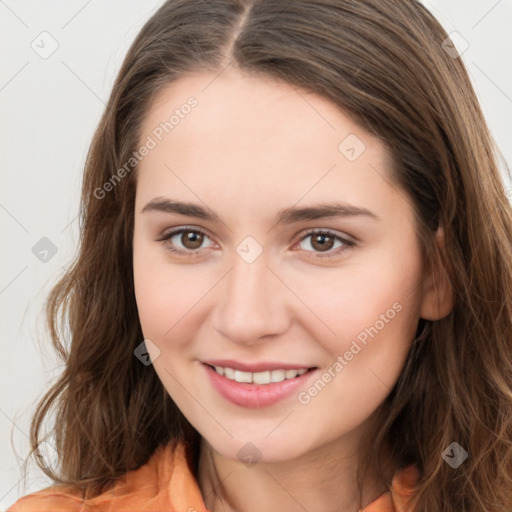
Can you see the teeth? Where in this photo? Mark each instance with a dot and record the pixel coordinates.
(259, 377)
(243, 376)
(277, 375)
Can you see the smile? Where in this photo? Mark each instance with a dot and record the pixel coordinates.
(266, 377)
(257, 389)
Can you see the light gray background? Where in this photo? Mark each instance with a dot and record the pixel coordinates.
(49, 109)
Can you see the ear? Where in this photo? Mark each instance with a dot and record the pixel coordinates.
(437, 298)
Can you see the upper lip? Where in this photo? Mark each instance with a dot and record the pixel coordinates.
(255, 367)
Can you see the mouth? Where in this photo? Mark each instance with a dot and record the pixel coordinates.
(261, 377)
(257, 389)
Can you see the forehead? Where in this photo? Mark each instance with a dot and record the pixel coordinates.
(251, 111)
(256, 140)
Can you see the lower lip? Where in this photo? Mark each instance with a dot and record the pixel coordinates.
(255, 395)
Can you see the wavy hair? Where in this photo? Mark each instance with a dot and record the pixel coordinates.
(384, 64)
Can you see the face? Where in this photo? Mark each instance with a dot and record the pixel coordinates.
(299, 253)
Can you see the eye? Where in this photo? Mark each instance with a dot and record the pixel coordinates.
(184, 240)
(323, 242)
(187, 241)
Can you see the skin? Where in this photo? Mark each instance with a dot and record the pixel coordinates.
(250, 148)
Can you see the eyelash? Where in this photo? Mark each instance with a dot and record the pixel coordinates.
(347, 243)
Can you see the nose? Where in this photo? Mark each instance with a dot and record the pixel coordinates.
(251, 302)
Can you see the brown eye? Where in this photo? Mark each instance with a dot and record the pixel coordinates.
(191, 239)
(185, 241)
(321, 242)
(330, 244)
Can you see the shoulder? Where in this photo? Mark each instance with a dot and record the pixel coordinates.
(54, 499)
(165, 482)
(68, 498)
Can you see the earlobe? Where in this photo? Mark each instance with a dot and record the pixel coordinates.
(437, 300)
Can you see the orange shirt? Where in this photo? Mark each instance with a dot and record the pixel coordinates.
(166, 484)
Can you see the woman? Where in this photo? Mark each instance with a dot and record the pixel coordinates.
(294, 285)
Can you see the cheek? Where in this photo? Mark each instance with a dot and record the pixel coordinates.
(166, 293)
(375, 324)
(155, 297)
(375, 295)
(366, 358)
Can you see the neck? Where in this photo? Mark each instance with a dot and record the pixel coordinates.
(323, 480)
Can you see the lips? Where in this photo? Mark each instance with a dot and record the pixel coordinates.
(254, 395)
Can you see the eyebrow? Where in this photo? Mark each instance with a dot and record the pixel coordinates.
(286, 216)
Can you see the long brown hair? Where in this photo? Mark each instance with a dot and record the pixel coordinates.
(384, 64)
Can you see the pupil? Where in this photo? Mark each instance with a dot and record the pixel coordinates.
(321, 239)
(193, 239)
